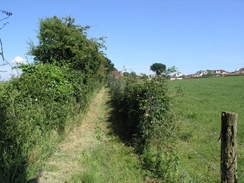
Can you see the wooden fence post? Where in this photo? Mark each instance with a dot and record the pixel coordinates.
(228, 147)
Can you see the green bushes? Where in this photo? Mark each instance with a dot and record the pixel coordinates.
(32, 107)
(68, 68)
(61, 42)
(146, 120)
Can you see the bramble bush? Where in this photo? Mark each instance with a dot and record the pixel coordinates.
(146, 120)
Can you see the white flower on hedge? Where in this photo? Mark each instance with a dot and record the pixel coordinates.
(19, 60)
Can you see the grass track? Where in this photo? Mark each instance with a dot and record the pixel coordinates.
(92, 153)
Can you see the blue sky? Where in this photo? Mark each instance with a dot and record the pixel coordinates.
(189, 34)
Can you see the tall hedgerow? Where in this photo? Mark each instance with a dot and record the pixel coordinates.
(31, 107)
(68, 68)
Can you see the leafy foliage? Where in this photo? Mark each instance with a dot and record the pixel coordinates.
(162, 70)
(68, 68)
(144, 109)
(31, 107)
(61, 42)
(158, 68)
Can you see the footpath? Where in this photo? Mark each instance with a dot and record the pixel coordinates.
(92, 152)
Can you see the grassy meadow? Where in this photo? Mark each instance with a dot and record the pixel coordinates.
(199, 110)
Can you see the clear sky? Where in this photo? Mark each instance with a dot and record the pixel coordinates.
(189, 34)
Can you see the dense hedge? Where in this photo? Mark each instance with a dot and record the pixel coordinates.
(33, 106)
(145, 119)
(68, 68)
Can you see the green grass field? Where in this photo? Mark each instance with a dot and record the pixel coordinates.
(199, 109)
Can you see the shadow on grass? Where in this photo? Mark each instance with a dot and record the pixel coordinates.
(17, 174)
(121, 126)
(13, 164)
(14, 174)
(34, 180)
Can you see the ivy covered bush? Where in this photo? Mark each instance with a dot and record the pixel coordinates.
(145, 120)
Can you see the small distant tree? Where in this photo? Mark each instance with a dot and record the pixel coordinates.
(162, 70)
(158, 68)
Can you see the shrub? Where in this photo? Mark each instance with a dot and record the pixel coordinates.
(32, 107)
(69, 67)
(146, 120)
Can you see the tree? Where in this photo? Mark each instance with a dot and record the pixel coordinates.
(158, 68)
(109, 65)
(63, 43)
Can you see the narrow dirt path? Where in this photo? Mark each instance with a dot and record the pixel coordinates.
(65, 161)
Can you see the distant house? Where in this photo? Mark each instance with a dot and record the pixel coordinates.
(219, 72)
(237, 72)
(241, 70)
(189, 76)
(177, 76)
(117, 74)
(200, 74)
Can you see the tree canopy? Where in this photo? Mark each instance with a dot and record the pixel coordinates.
(158, 68)
(63, 43)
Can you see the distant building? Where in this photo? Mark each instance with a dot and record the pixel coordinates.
(177, 76)
(200, 74)
(117, 74)
(241, 70)
(219, 72)
(188, 76)
(237, 72)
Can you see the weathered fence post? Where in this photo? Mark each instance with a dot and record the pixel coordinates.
(228, 147)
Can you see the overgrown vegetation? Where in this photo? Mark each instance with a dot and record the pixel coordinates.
(68, 68)
(145, 120)
(38, 107)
